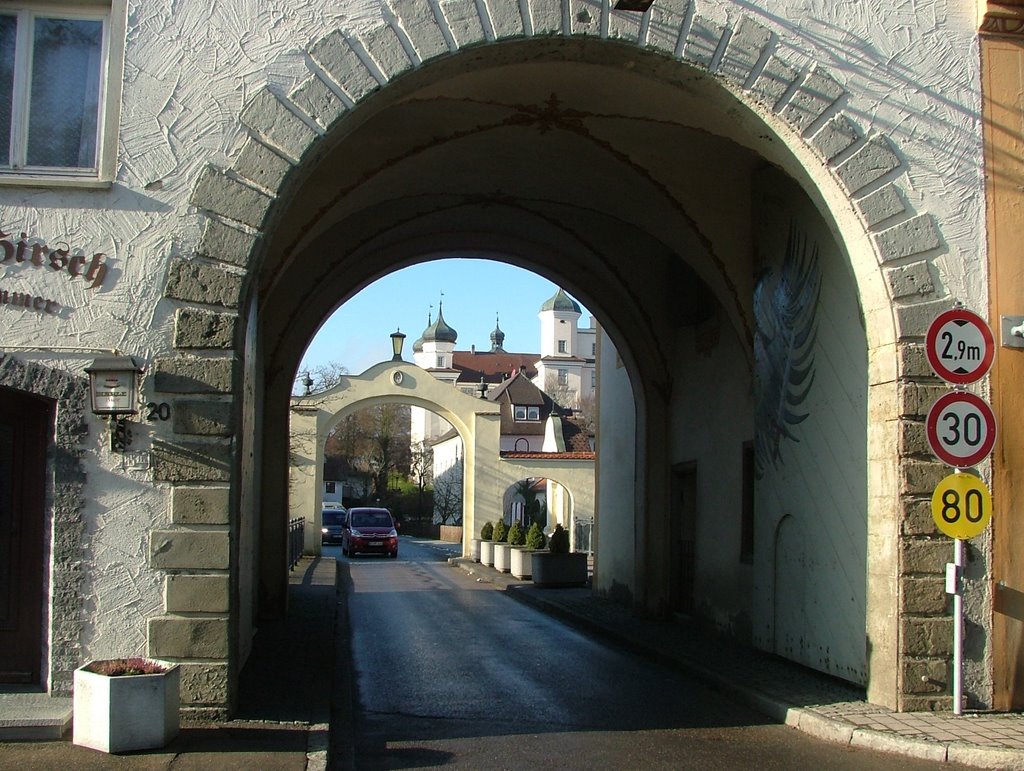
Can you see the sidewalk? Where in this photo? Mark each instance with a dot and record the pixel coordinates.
(802, 698)
(283, 713)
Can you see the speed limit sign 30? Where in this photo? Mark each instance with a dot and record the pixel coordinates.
(961, 429)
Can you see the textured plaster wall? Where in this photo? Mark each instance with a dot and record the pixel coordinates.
(912, 73)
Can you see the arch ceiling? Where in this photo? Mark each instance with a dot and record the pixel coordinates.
(501, 142)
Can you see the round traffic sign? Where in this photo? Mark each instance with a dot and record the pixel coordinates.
(961, 429)
(960, 346)
(961, 506)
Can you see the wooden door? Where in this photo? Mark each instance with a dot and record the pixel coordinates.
(24, 427)
(684, 536)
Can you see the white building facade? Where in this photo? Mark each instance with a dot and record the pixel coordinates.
(209, 181)
(568, 354)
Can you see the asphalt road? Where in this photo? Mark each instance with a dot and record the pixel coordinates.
(447, 671)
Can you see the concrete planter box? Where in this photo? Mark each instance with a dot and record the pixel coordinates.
(487, 553)
(502, 557)
(128, 712)
(474, 549)
(559, 569)
(522, 561)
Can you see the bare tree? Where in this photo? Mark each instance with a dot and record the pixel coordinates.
(387, 443)
(421, 466)
(448, 495)
(586, 414)
(326, 376)
(372, 443)
(561, 394)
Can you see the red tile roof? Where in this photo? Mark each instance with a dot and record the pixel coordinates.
(493, 367)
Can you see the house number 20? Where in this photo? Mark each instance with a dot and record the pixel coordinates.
(161, 411)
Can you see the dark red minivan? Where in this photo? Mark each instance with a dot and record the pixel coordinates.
(369, 531)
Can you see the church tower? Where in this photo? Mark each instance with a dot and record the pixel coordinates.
(433, 351)
(566, 367)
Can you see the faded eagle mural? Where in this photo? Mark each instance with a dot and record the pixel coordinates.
(785, 307)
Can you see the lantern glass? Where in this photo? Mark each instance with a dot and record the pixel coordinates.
(397, 341)
(113, 385)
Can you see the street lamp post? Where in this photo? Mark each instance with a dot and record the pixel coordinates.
(397, 341)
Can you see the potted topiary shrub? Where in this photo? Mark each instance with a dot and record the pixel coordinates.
(558, 566)
(502, 557)
(487, 544)
(521, 561)
(126, 704)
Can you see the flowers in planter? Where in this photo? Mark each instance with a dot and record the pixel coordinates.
(535, 538)
(126, 704)
(124, 667)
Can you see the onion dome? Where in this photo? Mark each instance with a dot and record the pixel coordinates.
(497, 338)
(417, 347)
(561, 302)
(439, 331)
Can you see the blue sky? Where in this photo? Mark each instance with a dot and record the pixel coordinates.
(475, 293)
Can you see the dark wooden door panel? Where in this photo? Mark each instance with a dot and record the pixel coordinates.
(24, 427)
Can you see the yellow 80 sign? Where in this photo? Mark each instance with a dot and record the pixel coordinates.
(961, 506)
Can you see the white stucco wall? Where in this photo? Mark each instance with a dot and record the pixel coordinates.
(810, 570)
(616, 475)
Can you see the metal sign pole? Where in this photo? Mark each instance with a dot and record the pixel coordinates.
(958, 628)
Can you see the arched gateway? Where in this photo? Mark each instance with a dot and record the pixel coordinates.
(486, 475)
(684, 172)
(314, 417)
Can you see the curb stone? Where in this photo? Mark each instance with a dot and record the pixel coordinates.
(891, 743)
(984, 757)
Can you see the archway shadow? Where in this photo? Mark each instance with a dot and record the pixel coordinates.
(288, 674)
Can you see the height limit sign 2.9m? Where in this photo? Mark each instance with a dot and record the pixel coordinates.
(960, 346)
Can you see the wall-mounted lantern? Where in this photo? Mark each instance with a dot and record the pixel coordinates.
(114, 388)
(397, 341)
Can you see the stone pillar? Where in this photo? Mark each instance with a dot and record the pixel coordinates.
(198, 461)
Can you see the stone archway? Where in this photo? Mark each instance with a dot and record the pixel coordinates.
(851, 175)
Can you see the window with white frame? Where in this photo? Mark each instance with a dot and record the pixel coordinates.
(54, 99)
(523, 412)
(563, 377)
(561, 346)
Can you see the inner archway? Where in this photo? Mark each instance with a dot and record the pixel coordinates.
(668, 256)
